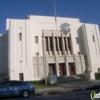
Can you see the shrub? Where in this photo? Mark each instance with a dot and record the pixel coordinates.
(38, 82)
(97, 76)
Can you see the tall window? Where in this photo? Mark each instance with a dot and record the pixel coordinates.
(37, 53)
(93, 38)
(56, 43)
(36, 39)
(60, 45)
(65, 43)
(51, 43)
(78, 53)
(20, 36)
(46, 42)
(77, 40)
(21, 76)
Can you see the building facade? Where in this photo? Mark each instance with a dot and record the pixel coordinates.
(35, 46)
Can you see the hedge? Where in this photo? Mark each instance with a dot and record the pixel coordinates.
(97, 76)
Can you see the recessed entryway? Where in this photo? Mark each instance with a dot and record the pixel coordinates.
(72, 69)
(62, 69)
(52, 68)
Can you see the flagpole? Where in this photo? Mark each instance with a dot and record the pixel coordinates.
(55, 13)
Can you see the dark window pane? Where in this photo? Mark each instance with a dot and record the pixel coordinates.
(4, 84)
(65, 44)
(46, 42)
(21, 76)
(15, 83)
(36, 39)
(56, 43)
(76, 40)
(51, 43)
(60, 46)
(20, 36)
(37, 53)
(93, 38)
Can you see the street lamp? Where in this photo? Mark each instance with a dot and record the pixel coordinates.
(55, 13)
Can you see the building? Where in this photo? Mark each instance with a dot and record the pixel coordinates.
(35, 46)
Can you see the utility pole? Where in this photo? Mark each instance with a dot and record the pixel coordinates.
(55, 13)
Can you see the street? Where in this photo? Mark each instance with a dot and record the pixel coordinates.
(79, 95)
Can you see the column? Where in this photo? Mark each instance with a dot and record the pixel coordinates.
(54, 46)
(63, 46)
(57, 65)
(58, 45)
(76, 64)
(44, 45)
(67, 66)
(48, 45)
(38, 63)
(67, 45)
(82, 64)
(47, 68)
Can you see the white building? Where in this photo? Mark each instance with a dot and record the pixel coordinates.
(35, 46)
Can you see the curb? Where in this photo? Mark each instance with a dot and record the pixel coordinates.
(52, 93)
(63, 91)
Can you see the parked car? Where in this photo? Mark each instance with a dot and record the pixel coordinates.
(96, 85)
(16, 88)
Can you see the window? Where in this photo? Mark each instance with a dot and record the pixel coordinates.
(46, 42)
(65, 43)
(56, 43)
(4, 84)
(21, 76)
(20, 36)
(37, 53)
(98, 70)
(36, 39)
(93, 38)
(16, 83)
(78, 53)
(51, 43)
(77, 40)
(60, 45)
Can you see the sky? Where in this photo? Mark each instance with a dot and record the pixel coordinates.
(88, 11)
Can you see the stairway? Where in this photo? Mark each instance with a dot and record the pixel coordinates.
(70, 79)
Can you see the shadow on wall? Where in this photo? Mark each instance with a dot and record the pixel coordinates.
(65, 28)
(3, 55)
(81, 43)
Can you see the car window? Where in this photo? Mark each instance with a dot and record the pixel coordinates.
(4, 84)
(15, 83)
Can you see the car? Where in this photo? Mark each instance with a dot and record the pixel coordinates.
(96, 85)
(16, 88)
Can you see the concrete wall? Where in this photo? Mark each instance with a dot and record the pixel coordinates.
(19, 52)
(91, 48)
(40, 64)
(39, 23)
(22, 53)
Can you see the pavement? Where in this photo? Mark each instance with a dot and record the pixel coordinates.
(65, 88)
(79, 95)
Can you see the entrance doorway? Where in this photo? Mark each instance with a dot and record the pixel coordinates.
(72, 69)
(62, 69)
(52, 68)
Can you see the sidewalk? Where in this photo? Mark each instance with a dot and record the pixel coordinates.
(68, 87)
(78, 85)
(50, 91)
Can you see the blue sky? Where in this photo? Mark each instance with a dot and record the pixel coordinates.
(86, 10)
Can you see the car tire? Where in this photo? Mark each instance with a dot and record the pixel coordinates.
(25, 94)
